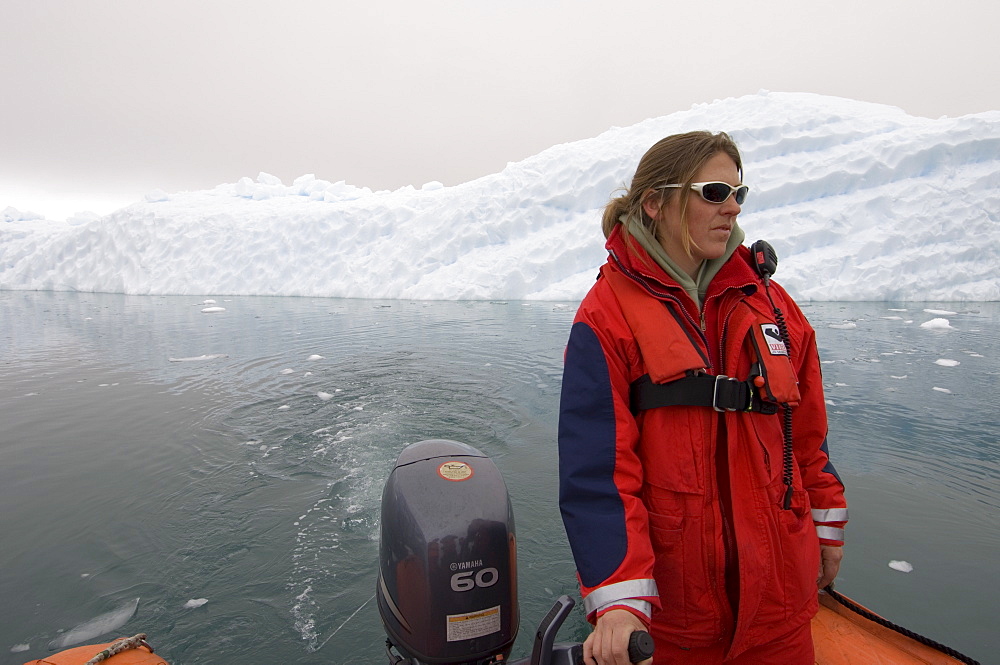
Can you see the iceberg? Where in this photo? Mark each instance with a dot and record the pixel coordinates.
(861, 201)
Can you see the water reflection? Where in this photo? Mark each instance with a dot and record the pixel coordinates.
(253, 479)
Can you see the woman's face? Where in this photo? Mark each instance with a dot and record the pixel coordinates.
(709, 224)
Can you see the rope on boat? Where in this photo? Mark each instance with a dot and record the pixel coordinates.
(871, 616)
(344, 624)
(124, 644)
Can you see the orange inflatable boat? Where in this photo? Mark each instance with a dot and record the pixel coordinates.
(124, 651)
(842, 637)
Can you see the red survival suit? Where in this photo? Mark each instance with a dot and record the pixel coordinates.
(677, 512)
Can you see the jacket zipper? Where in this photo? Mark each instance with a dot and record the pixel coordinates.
(724, 328)
(728, 543)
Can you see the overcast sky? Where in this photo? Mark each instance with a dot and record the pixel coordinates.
(101, 102)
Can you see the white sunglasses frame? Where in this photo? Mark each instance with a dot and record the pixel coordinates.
(699, 186)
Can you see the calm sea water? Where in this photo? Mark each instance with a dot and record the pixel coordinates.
(130, 470)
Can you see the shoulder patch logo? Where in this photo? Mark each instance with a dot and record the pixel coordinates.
(775, 344)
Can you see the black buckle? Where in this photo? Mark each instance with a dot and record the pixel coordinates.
(728, 396)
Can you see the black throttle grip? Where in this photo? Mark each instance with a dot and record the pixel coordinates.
(640, 646)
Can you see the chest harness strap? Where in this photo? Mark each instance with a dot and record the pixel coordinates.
(722, 393)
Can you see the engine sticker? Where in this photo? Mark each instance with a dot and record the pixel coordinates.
(474, 624)
(454, 470)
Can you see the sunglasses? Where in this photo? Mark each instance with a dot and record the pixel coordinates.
(716, 192)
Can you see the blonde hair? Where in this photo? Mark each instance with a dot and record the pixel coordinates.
(675, 159)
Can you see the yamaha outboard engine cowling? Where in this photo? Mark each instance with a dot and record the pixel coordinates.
(447, 589)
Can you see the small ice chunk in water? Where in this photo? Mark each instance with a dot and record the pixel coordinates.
(208, 302)
(945, 362)
(287, 370)
(901, 566)
(195, 602)
(324, 396)
(940, 312)
(18, 648)
(846, 325)
(211, 310)
(937, 324)
(191, 359)
(315, 357)
(284, 407)
(942, 390)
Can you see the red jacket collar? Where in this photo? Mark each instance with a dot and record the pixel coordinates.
(627, 255)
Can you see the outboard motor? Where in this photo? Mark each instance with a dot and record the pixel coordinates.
(447, 587)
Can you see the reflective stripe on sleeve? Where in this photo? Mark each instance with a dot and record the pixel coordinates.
(830, 533)
(829, 514)
(643, 606)
(616, 594)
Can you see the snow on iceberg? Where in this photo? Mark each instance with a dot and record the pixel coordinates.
(12, 214)
(860, 200)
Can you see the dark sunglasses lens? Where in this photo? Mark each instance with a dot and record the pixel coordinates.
(716, 192)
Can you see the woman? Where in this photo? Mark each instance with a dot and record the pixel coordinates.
(695, 485)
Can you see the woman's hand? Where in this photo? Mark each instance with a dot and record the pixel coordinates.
(608, 644)
(829, 564)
